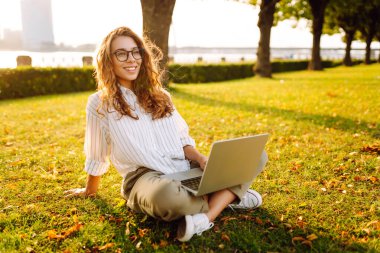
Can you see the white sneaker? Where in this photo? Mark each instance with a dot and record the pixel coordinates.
(193, 224)
(252, 199)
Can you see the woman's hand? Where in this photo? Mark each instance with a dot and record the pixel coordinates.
(89, 191)
(77, 192)
(202, 160)
(194, 155)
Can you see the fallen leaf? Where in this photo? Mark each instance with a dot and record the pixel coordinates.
(221, 246)
(138, 245)
(259, 221)
(298, 238)
(312, 237)
(375, 148)
(107, 246)
(133, 238)
(216, 229)
(163, 243)
(374, 224)
(227, 219)
(331, 94)
(373, 179)
(225, 237)
(127, 230)
(306, 242)
(143, 232)
(52, 234)
(18, 162)
(296, 166)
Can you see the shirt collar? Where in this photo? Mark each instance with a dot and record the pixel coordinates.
(126, 90)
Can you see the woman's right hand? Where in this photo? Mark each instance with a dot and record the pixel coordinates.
(90, 190)
(77, 192)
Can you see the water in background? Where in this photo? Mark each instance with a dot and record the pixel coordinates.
(179, 55)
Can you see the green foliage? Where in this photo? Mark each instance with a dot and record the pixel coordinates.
(321, 182)
(293, 9)
(342, 14)
(284, 66)
(369, 19)
(26, 82)
(202, 73)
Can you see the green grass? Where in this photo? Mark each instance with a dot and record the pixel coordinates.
(320, 179)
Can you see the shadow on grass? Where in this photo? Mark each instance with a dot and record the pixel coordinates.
(337, 122)
(234, 231)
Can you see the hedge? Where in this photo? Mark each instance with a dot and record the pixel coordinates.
(203, 73)
(29, 81)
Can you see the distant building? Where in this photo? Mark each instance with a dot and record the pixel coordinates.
(37, 25)
(11, 40)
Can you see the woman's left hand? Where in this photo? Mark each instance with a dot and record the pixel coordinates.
(202, 161)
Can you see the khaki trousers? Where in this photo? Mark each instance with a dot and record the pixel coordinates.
(166, 199)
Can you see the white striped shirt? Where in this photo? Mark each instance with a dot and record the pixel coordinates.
(129, 143)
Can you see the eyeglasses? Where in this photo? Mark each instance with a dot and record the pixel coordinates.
(123, 55)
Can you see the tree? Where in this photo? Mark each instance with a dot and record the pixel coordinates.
(343, 14)
(369, 23)
(265, 23)
(378, 39)
(313, 10)
(157, 18)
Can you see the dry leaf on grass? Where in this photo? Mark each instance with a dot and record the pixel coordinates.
(143, 232)
(106, 246)
(375, 148)
(225, 237)
(305, 241)
(374, 224)
(163, 243)
(312, 237)
(52, 234)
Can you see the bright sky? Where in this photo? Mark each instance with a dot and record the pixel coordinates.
(207, 23)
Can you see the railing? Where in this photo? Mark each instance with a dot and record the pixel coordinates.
(8, 59)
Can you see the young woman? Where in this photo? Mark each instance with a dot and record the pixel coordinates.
(132, 122)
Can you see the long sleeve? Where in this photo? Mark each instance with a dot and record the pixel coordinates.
(183, 129)
(97, 141)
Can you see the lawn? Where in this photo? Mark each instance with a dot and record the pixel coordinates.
(320, 187)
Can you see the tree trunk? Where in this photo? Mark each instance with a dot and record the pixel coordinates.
(368, 42)
(157, 17)
(265, 23)
(318, 10)
(349, 38)
(378, 60)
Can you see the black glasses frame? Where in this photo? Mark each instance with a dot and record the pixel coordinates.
(129, 52)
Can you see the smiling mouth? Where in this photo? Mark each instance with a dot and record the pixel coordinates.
(132, 68)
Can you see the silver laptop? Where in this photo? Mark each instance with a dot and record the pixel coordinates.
(231, 162)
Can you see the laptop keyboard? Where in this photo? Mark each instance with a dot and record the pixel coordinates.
(192, 183)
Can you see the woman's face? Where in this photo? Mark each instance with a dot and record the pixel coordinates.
(126, 60)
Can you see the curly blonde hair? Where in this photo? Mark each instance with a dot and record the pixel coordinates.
(147, 87)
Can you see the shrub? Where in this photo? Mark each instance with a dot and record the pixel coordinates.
(203, 73)
(29, 81)
(26, 82)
